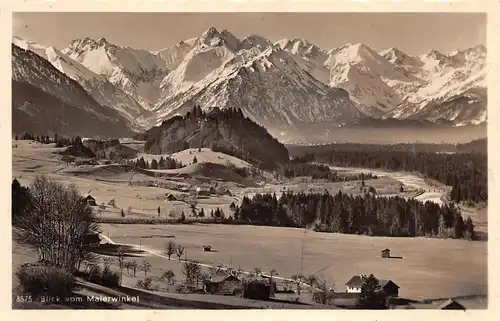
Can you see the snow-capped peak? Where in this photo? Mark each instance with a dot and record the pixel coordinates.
(393, 54)
(30, 45)
(212, 37)
(301, 47)
(255, 41)
(434, 54)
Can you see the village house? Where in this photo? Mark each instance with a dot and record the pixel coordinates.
(451, 304)
(90, 200)
(223, 284)
(388, 286)
(202, 191)
(386, 253)
(92, 240)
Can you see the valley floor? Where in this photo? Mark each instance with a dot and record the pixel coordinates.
(429, 268)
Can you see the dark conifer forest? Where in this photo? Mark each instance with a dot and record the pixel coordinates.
(367, 214)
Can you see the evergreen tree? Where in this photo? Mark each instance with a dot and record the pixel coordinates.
(371, 297)
(154, 164)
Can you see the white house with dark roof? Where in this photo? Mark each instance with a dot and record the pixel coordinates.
(355, 283)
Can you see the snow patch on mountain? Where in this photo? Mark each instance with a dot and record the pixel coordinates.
(137, 72)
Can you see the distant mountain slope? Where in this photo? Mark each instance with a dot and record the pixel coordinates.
(46, 100)
(105, 93)
(226, 131)
(137, 72)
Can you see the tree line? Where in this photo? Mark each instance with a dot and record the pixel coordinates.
(366, 214)
(466, 173)
(162, 163)
(302, 166)
(59, 140)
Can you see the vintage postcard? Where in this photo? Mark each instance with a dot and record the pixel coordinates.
(328, 160)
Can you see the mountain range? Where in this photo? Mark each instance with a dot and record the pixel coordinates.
(288, 84)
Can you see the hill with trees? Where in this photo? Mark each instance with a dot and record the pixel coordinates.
(226, 131)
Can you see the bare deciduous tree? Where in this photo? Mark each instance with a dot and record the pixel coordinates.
(57, 223)
(257, 272)
(127, 265)
(180, 251)
(133, 267)
(192, 272)
(146, 267)
(168, 276)
(120, 257)
(311, 280)
(170, 249)
(298, 278)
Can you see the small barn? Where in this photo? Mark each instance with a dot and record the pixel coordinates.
(90, 200)
(451, 304)
(92, 240)
(257, 290)
(223, 284)
(170, 197)
(386, 253)
(356, 282)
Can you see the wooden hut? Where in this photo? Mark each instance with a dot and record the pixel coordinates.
(90, 200)
(223, 284)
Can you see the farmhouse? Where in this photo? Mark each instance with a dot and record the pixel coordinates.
(202, 191)
(355, 283)
(92, 240)
(451, 304)
(90, 200)
(386, 253)
(223, 284)
(207, 248)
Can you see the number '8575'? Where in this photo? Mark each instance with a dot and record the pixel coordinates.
(23, 298)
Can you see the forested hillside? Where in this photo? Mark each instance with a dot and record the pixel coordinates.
(467, 173)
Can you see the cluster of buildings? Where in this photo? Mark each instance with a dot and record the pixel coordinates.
(228, 284)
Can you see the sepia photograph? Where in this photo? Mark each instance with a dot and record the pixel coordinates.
(249, 160)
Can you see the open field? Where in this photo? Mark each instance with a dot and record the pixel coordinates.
(430, 268)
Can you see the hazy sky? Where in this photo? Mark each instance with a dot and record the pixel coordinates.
(413, 33)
